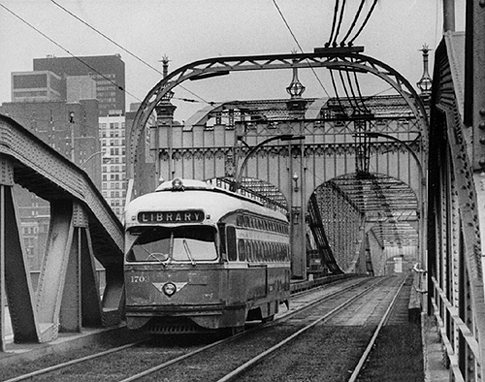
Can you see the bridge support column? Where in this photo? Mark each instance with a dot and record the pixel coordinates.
(15, 283)
(297, 209)
(68, 293)
(297, 230)
(81, 303)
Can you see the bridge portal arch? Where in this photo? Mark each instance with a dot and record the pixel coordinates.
(364, 220)
(338, 59)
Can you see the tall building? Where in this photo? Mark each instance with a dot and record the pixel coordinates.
(107, 71)
(112, 133)
(36, 86)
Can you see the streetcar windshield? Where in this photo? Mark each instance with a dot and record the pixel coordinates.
(179, 244)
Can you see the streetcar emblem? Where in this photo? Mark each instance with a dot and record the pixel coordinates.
(169, 288)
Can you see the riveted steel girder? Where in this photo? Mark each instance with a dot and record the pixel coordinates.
(82, 227)
(331, 59)
(456, 221)
(14, 274)
(48, 174)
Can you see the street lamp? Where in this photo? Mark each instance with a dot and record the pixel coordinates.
(91, 157)
(295, 179)
(285, 137)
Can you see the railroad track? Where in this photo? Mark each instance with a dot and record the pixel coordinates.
(222, 360)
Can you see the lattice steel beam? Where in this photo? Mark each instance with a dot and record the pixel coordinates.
(225, 65)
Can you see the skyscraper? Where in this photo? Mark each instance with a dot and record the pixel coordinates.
(112, 133)
(107, 71)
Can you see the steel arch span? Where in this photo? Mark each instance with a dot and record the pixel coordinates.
(328, 58)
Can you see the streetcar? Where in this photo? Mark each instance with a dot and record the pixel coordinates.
(201, 258)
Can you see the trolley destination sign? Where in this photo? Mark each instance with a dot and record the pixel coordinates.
(183, 216)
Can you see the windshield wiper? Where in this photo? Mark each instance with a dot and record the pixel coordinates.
(155, 255)
(187, 251)
(162, 259)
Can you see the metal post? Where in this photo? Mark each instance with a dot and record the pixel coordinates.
(302, 223)
(475, 79)
(448, 15)
(2, 269)
(71, 124)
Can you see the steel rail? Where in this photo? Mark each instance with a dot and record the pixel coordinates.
(229, 339)
(372, 341)
(73, 362)
(252, 362)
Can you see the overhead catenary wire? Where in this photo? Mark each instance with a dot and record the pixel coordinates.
(119, 87)
(104, 35)
(69, 52)
(335, 88)
(339, 11)
(334, 23)
(369, 14)
(299, 46)
(366, 110)
(356, 101)
(354, 22)
(337, 31)
(127, 51)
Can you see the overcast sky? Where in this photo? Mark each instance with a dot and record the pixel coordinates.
(190, 30)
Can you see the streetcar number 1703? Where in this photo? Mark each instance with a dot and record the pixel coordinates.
(139, 279)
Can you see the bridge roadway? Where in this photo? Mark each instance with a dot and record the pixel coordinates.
(68, 342)
(82, 228)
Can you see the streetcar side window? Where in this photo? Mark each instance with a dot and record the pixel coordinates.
(222, 238)
(246, 254)
(241, 247)
(232, 246)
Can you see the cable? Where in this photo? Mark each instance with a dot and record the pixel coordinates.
(68, 52)
(287, 25)
(106, 37)
(354, 22)
(354, 97)
(336, 91)
(335, 12)
(366, 110)
(127, 51)
(371, 10)
(299, 46)
(334, 42)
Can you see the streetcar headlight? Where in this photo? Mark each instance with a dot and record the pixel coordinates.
(177, 184)
(169, 289)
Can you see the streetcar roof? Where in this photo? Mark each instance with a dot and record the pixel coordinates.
(188, 194)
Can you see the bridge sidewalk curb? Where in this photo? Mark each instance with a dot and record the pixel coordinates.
(433, 352)
(18, 353)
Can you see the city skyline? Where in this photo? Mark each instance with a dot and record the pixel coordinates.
(188, 31)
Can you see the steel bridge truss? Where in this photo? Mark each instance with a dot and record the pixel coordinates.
(456, 220)
(327, 58)
(82, 228)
